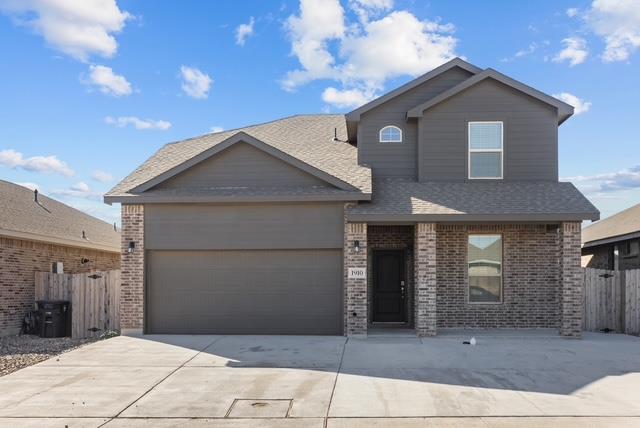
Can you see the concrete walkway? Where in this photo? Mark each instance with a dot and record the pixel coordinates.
(522, 379)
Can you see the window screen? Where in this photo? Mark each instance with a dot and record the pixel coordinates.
(485, 149)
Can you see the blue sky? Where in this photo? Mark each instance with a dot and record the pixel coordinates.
(90, 89)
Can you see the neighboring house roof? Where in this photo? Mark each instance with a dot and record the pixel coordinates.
(303, 140)
(618, 227)
(398, 199)
(564, 109)
(51, 221)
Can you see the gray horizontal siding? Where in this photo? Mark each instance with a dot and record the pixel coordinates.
(242, 165)
(248, 226)
(399, 159)
(530, 134)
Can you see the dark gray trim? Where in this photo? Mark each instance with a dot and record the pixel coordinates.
(457, 218)
(354, 115)
(248, 139)
(564, 109)
(151, 199)
(612, 239)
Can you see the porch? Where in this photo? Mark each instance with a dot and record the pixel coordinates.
(415, 277)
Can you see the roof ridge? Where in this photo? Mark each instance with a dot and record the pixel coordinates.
(255, 125)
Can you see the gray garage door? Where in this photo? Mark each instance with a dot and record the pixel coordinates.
(244, 292)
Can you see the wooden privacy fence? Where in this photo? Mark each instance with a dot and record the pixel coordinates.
(612, 300)
(94, 297)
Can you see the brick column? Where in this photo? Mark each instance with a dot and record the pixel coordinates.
(355, 288)
(425, 279)
(571, 303)
(132, 270)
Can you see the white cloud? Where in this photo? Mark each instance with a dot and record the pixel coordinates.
(363, 55)
(101, 176)
(42, 164)
(79, 190)
(318, 22)
(345, 98)
(244, 31)
(215, 129)
(618, 23)
(107, 81)
(365, 9)
(78, 28)
(575, 51)
(580, 106)
(522, 53)
(572, 11)
(139, 124)
(30, 186)
(195, 83)
(609, 182)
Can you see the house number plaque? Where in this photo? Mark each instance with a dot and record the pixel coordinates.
(357, 273)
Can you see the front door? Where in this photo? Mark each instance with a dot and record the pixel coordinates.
(388, 286)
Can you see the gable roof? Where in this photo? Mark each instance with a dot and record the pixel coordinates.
(50, 221)
(564, 109)
(303, 140)
(620, 226)
(243, 137)
(456, 62)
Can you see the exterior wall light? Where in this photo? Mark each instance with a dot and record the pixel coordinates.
(356, 246)
(132, 247)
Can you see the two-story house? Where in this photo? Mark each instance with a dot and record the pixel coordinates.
(434, 206)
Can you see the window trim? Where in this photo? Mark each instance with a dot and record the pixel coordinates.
(470, 150)
(468, 285)
(390, 141)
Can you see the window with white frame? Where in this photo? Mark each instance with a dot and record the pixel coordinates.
(485, 150)
(485, 268)
(391, 134)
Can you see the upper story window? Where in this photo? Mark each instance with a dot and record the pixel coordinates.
(391, 134)
(485, 150)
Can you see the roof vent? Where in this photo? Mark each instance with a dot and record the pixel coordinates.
(35, 195)
(84, 235)
(335, 137)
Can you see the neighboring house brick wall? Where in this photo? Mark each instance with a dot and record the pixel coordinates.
(598, 257)
(19, 260)
(425, 278)
(132, 276)
(355, 289)
(531, 283)
(571, 304)
(391, 237)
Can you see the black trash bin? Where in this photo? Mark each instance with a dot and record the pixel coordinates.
(54, 318)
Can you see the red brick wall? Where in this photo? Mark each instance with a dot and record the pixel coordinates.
(531, 281)
(19, 260)
(132, 276)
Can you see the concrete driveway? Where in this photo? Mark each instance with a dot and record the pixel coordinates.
(508, 379)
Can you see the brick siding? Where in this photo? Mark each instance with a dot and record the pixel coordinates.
(425, 279)
(20, 259)
(531, 282)
(571, 303)
(355, 289)
(132, 276)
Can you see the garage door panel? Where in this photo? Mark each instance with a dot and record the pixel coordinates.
(244, 292)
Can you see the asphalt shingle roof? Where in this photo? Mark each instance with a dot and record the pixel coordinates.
(308, 138)
(51, 221)
(622, 223)
(396, 196)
